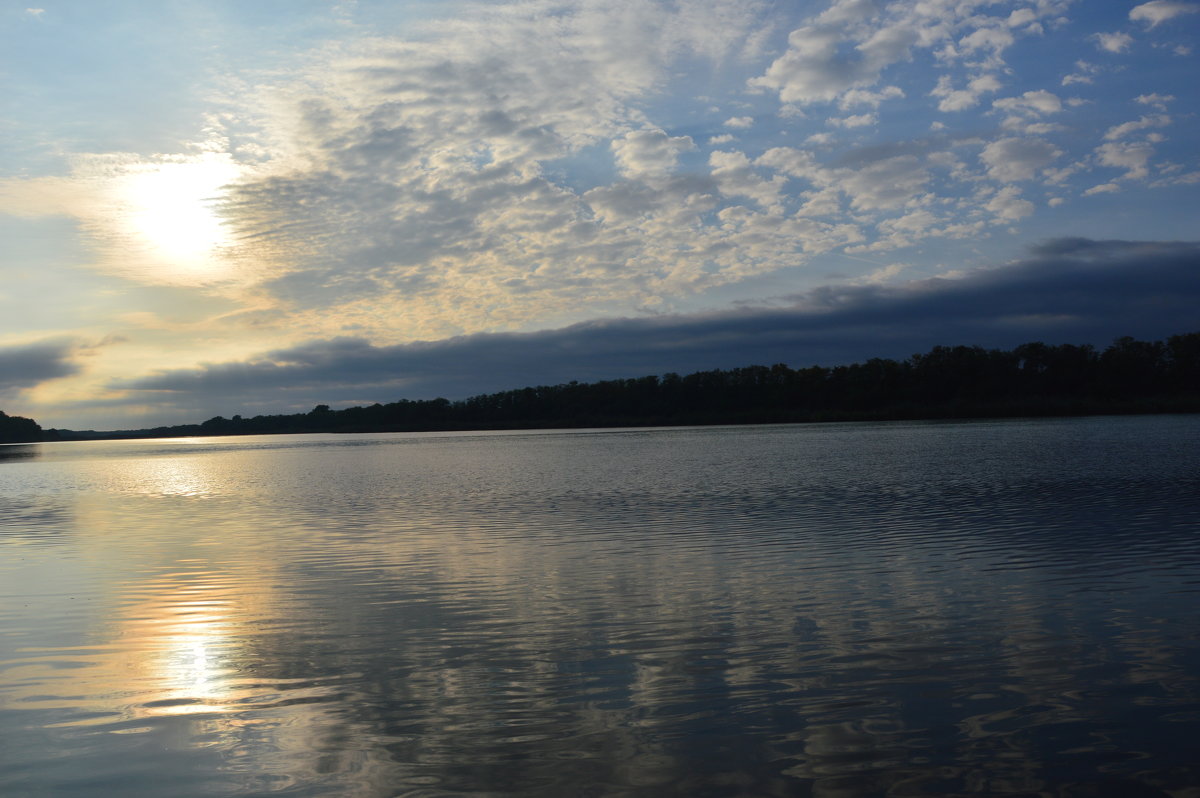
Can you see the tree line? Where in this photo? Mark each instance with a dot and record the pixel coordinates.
(1034, 379)
(18, 429)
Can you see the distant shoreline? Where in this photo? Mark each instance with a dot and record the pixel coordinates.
(1174, 405)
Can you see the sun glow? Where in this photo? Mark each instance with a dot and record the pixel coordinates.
(171, 219)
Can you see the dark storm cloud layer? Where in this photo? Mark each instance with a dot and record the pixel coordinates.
(1067, 291)
(26, 366)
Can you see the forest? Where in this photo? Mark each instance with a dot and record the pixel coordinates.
(17, 429)
(1034, 379)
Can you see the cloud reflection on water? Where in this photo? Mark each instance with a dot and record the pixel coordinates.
(714, 616)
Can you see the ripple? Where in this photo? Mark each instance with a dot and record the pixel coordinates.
(866, 609)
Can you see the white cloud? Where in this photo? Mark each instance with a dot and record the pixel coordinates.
(1031, 102)
(1113, 42)
(724, 138)
(1132, 156)
(848, 48)
(1103, 188)
(962, 99)
(883, 184)
(856, 97)
(995, 38)
(1022, 125)
(427, 187)
(791, 161)
(848, 11)
(1123, 130)
(736, 177)
(1022, 16)
(814, 68)
(1057, 176)
(1159, 101)
(1013, 159)
(649, 153)
(1008, 206)
(1159, 11)
(739, 122)
(858, 120)
(35, 12)
(1085, 73)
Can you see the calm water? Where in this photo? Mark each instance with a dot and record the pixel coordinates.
(1007, 608)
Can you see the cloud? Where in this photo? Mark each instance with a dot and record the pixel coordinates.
(1103, 188)
(857, 120)
(1067, 290)
(1159, 101)
(739, 122)
(1159, 11)
(1031, 102)
(1123, 130)
(463, 179)
(1132, 156)
(857, 97)
(649, 153)
(1013, 159)
(1085, 73)
(735, 176)
(26, 366)
(848, 48)
(1008, 206)
(1113, 42)
(953, 99)
(815, 68)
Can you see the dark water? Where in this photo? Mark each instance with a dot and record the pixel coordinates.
(1007, 608)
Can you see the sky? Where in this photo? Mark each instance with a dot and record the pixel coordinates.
(216, 207)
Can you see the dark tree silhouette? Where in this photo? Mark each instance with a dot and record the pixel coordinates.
(18, 429)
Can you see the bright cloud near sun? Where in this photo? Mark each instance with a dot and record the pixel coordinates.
(151, 219)
(228, 183)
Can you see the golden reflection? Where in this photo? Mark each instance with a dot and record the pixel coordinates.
(176, 476)
(191, 663)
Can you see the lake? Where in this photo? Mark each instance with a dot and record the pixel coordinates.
(900, 609)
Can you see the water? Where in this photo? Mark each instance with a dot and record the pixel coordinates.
(899, 609)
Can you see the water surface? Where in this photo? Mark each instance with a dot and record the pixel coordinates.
(901, 609)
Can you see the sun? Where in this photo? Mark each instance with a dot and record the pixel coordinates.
(169, 213)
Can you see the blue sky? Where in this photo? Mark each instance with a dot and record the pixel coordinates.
(223, 207)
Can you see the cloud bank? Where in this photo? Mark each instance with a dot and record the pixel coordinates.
(1067, 290)
(28, 365)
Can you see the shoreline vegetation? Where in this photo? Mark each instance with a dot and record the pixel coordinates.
(948, 382)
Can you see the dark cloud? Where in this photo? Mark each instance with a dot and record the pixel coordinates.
(1068, 290)
(25, 366)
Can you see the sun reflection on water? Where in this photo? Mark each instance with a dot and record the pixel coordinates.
(177, 476)
(188, 644)
(192, 665)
